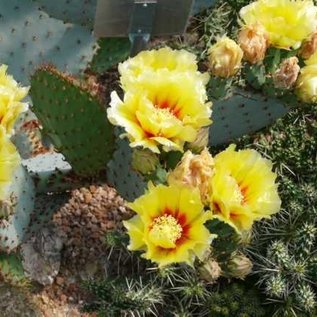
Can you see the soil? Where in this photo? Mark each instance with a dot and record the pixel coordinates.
(84, 220)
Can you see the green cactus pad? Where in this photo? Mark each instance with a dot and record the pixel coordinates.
(74, 120)
(241, 114)
(111, 51)
(12, 230)
(201, 5)
(120, 174)
(29, 37)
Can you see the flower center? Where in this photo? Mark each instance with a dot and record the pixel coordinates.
(169, 106)
(165, 231)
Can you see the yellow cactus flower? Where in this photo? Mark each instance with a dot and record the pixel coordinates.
(195, 171)
(163, 58)
(11, 95)
(9, 161)
(306, 86)
(169, 225)
(225, 58)
(288, 22)
(243, 188)
(167, 109)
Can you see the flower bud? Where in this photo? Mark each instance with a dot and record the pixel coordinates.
(286, 76)
(239, 266)
(195, 171)
(209, 271)
(201, 141)
(144, 161)
(225, 58)
(253, 40)
(309, 47)
(307, 84)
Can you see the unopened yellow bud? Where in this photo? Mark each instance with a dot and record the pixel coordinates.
(225, 58)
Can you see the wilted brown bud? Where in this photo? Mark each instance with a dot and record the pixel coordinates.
(239, 267)
(254, 42)
(309, 47)
(286, 76)
(195, 171)
(210, 271)
(225, 58)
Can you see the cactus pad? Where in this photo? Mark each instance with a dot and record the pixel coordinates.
(50, 171)
(29, 37)
(74, 120)
(120, 174)
(201, 5)
(111, 51)
(242, 113)
(12, 230)
(80, 12)
(27, 137)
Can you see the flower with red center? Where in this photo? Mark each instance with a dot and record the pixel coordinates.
(243, 188)
(163, 109)
(169, 225)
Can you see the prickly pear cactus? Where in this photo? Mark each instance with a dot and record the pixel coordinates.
(242, 113)
(80, 12)
(50, 171)
(21, 202)
(201, 5)
(27, 138)
(111, 51)
(120, 174)
(74, 120)
(30, 37)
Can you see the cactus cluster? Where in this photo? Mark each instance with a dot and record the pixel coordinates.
(236, 300)
(182, 290)
(283, 248)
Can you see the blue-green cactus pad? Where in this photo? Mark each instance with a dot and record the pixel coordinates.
(13, 230)
(201, 5)
(120, 174)
(50, 172)
(241, 114)
(29, 37)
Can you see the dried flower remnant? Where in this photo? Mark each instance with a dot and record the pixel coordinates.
(285, 77)
(194, 171)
